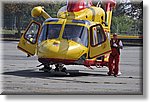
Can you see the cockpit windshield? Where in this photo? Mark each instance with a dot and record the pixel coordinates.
(50, 31)
(53, 31)
(76, 33)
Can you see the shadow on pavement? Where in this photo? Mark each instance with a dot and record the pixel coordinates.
(39, 74)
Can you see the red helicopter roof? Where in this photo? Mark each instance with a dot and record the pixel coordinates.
(77, 5)
(112, 2)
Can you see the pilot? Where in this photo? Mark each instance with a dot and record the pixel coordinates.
(114, 57)
(51, 34)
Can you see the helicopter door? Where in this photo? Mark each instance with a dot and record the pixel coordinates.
(28, 41)
(99, 43)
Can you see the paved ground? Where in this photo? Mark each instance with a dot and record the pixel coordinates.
(20, 75)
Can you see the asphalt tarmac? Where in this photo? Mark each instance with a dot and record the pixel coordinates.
(21, 76)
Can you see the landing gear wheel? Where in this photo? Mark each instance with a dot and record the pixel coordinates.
(46, 68)
(64, 70)
(60, 68)
(56, 69)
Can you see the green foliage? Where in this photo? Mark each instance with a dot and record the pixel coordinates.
(127, 17)
(121, 24)
(18, 15)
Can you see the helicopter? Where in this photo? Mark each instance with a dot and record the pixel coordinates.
(80, 35)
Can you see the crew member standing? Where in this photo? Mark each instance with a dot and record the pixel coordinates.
(114, 57)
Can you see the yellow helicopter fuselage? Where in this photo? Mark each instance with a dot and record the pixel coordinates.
(61, 49)
(72, 38)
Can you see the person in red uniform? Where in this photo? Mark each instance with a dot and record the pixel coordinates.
(114, 57)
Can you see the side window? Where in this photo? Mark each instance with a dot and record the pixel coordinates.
(32, 32)
(43, 34)
(97, 35)
(94, 36)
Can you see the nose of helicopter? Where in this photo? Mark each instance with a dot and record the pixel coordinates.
(60, 49)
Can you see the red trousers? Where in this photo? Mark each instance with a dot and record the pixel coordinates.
(113, 64)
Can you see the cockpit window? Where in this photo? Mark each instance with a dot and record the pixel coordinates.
(43, 34)
(76, 33)
(50, 31)
(53, 31)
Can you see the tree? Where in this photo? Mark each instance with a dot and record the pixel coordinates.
(20, 13)
(130, 8)
(17, 11)
(133, 12)
(121, 24)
